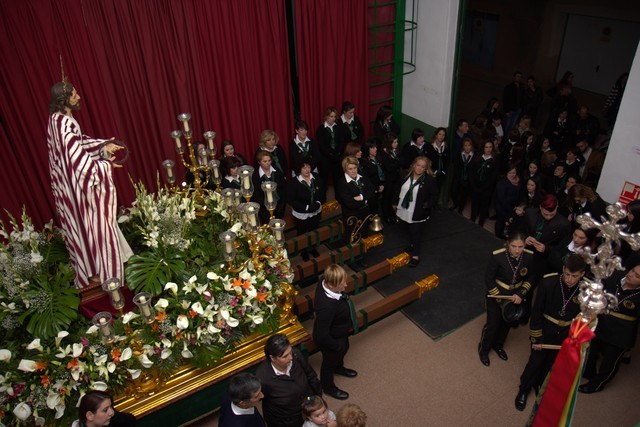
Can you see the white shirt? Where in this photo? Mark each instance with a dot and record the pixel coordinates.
(288, 371)
(242, 411)
(407, 214)
(330, 293)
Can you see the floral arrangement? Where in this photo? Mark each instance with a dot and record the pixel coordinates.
(203, 306)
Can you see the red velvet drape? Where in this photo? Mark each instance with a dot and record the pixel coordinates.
(136, 65)
(331, 49)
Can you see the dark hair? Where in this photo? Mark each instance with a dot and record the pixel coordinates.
(525, 136)
(276, 345)
(514, 134)
(262, 153)
(387, 141)
(531, 77)
(496, 116)
(242, 387)
(416, 133)
(300, 162)
(90, 403)
(60, 93)
(351, 149)
(301, 124)
(383, 112)
(347, 105)
(433, 138)
(460, 122)
(225, 143)
(517, 235)
(490, 103)
(591, 234)
(575, 263)
(229, 163)
(368, 145)
(311, 404)
(634, 208)
(328, 111)
(516, 73)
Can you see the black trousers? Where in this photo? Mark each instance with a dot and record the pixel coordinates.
(332, 360)
(495, 331)
(539, 364)
(480, 203)
(414, 230)
(611, 357)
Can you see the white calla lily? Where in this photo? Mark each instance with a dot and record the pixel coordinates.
(197, 307)
(111, 367)
(5, 355)
(170, 286)
(182, 322)
(186, 353)
(27, 365)
(53, 399)
(22, 411)
(35, 345)
(212, 276)
(99, 385)
(144, 360)
(59, 411)
(129, 317)
(126, 354)
(135, 373)
(166, 352)
(77, 349)
(212, 329)
(92, 330)
(161, 304)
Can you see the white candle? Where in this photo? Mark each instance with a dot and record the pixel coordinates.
(278, 234)
(216, 172)
(106, 331)
(169, 173)
(178, 143)
(228, 244)
(144, 307)
(246, 180)
(251, 215)
(186, 125)
(211, 146)
(115, 294)
(269, 193)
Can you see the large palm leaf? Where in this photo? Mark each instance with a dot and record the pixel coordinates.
(150, 271)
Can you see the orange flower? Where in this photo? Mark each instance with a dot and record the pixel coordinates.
(115, 354)
(160, 316)
(45, 380)
(41, 366)
(155, 327)
(262, 297)
(268, 250)
(193, 313)
(237, 282)
(73, 363)
(63, 391)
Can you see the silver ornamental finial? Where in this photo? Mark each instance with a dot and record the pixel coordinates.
(593, 299)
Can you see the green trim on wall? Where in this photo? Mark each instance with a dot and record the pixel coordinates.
(408, 124)
(398, 60)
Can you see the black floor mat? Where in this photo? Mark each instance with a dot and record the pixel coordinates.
(454, 249)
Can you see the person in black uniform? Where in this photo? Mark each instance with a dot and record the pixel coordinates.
(461, 175)
(331, 141)
(238, 406)
(301, 147)
(385, 123)
(508, 274)
(353, 191)
(331, 329)
(392, 174)
(287, 379)
(305, 194)
(416, 147)
(351, 124)
(438, 153)
(229, 169)
(371, 165)
(263, 173)
(616, 332)
(269, 142)
(414, 198)
(484, 172)
(555, 307)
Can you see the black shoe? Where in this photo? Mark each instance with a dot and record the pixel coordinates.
(414, 262)
(521, 400)
(501, 353)
(588, 388)
(484, 357)
(305, 256)
(346, 372)
(314, 253)
(336, 393)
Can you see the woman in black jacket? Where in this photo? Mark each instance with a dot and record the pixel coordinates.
(484, 172)
(305, 194)
(263, 173)
(372, 168)
(354, 193)
(414, 198)
(392, 172)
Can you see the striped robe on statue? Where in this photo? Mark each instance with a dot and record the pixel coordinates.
(86, 203)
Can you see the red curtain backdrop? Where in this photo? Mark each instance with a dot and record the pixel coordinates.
(331, 49)
(137, 64)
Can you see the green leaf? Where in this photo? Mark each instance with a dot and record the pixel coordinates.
(150, 271)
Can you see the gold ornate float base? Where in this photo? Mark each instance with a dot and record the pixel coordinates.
(150, 394)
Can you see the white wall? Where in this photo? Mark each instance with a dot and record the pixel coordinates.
(623, 156)
(426, 93)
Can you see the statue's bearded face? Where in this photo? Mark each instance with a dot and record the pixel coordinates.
(74, 100)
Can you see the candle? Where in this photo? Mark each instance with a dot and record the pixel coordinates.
(216, 172)
(186, 125)
(144, 307)
(278, 234)
(228, 244)
(169, 173)
(106, 331)
(246, 180)
(269, 193)
(115, 294)
(251, 216)
(178, 143)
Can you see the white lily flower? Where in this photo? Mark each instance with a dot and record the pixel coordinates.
(61, 335)
(171, 286)
(257, 319)
(197, 307)
(92, 330)
(200, 289)
(59, 411)
(186, 353)
(135, 373)
(53, 399)
(161, 305)
(99, 385)
(39, 421)
(182, 322)
(267, 284)
(212, 329)
(36, 258)
(144, 360)
(251, 292)
(75, 375)
(126, 354)
(99, 361)
(236, 227)
(111, 367)
(5, 355)
(77, 349)
(166, 352)
(166, 343)
(35, 345)
(22, 411)
(212, 276)
(26, 365)
(129, 317)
